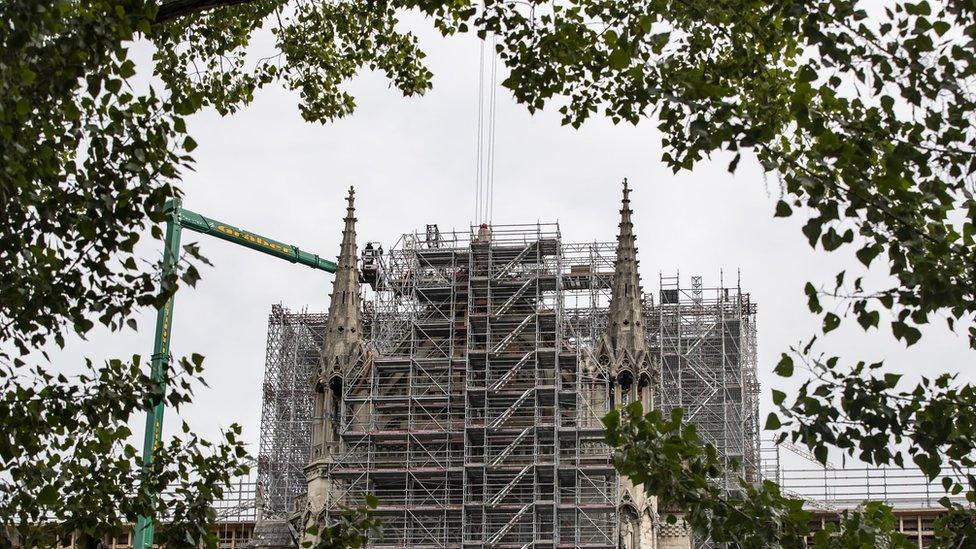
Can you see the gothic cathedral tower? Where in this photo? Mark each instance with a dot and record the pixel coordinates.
(342, 350)
(624, 351)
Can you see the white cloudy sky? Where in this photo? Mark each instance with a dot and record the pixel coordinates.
(413, 162)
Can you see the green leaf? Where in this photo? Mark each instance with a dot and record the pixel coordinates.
(783, 209)
(807, 74)
(813, 299)
(928, 464)
(778, 397)
(903, 331)
(772, 422)
(868, 319)
(734, 163)
(784, 368)
(812, 229)
(891, 380)
(919, 8)
(867, 254)
(127, 69)
(830, 322)
(27, 76)
(619, 59)
(47, 496)
(635, 409)
(887, 103)
(820, 453)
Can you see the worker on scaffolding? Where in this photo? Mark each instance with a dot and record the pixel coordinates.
(484, 234)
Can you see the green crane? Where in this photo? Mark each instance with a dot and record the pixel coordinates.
(177, 219)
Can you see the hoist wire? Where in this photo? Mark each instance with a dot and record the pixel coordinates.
(484, 205)
(481, 102)
(491, 130)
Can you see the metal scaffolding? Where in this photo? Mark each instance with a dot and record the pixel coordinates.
(705, 341)
(294, 340)
(476, 420)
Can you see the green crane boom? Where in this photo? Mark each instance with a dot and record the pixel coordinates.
(177, 219)
(196, 222)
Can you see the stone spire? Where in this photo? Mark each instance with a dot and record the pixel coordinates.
(343, 337)
(623, 347)
(341, 350)
(623, 351)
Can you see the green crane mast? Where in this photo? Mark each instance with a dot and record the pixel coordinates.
(177, 219)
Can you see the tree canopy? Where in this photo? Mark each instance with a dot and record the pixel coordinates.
(863, 112)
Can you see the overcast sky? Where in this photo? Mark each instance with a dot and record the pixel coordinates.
(413, 162)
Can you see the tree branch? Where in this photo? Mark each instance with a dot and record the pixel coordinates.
(174, 9)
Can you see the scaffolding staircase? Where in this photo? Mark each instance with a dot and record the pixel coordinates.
(514, 297)
(497, 498)
(508, 525)
(512, 335)
(501, 419)
(511, 372)
(515, 261)
(511, 447)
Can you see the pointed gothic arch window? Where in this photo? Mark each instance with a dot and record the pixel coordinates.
(625, 379)
(335, 409)
(645, 391)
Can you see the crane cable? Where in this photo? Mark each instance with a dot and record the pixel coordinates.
(491, 131)
(485, 172)
(481, 104)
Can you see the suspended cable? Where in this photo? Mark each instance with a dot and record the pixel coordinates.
(484, 205)
(491, 134)
(481, 104)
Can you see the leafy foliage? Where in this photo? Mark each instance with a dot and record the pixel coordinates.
(87, 164)
(61, 435)
(956, 529)
(861, 412)
(872, 525)
(671, 462)
(89, 160)
(865, 118)
(669, 459)
(351, 529)
(90, 155)
(864, 112)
